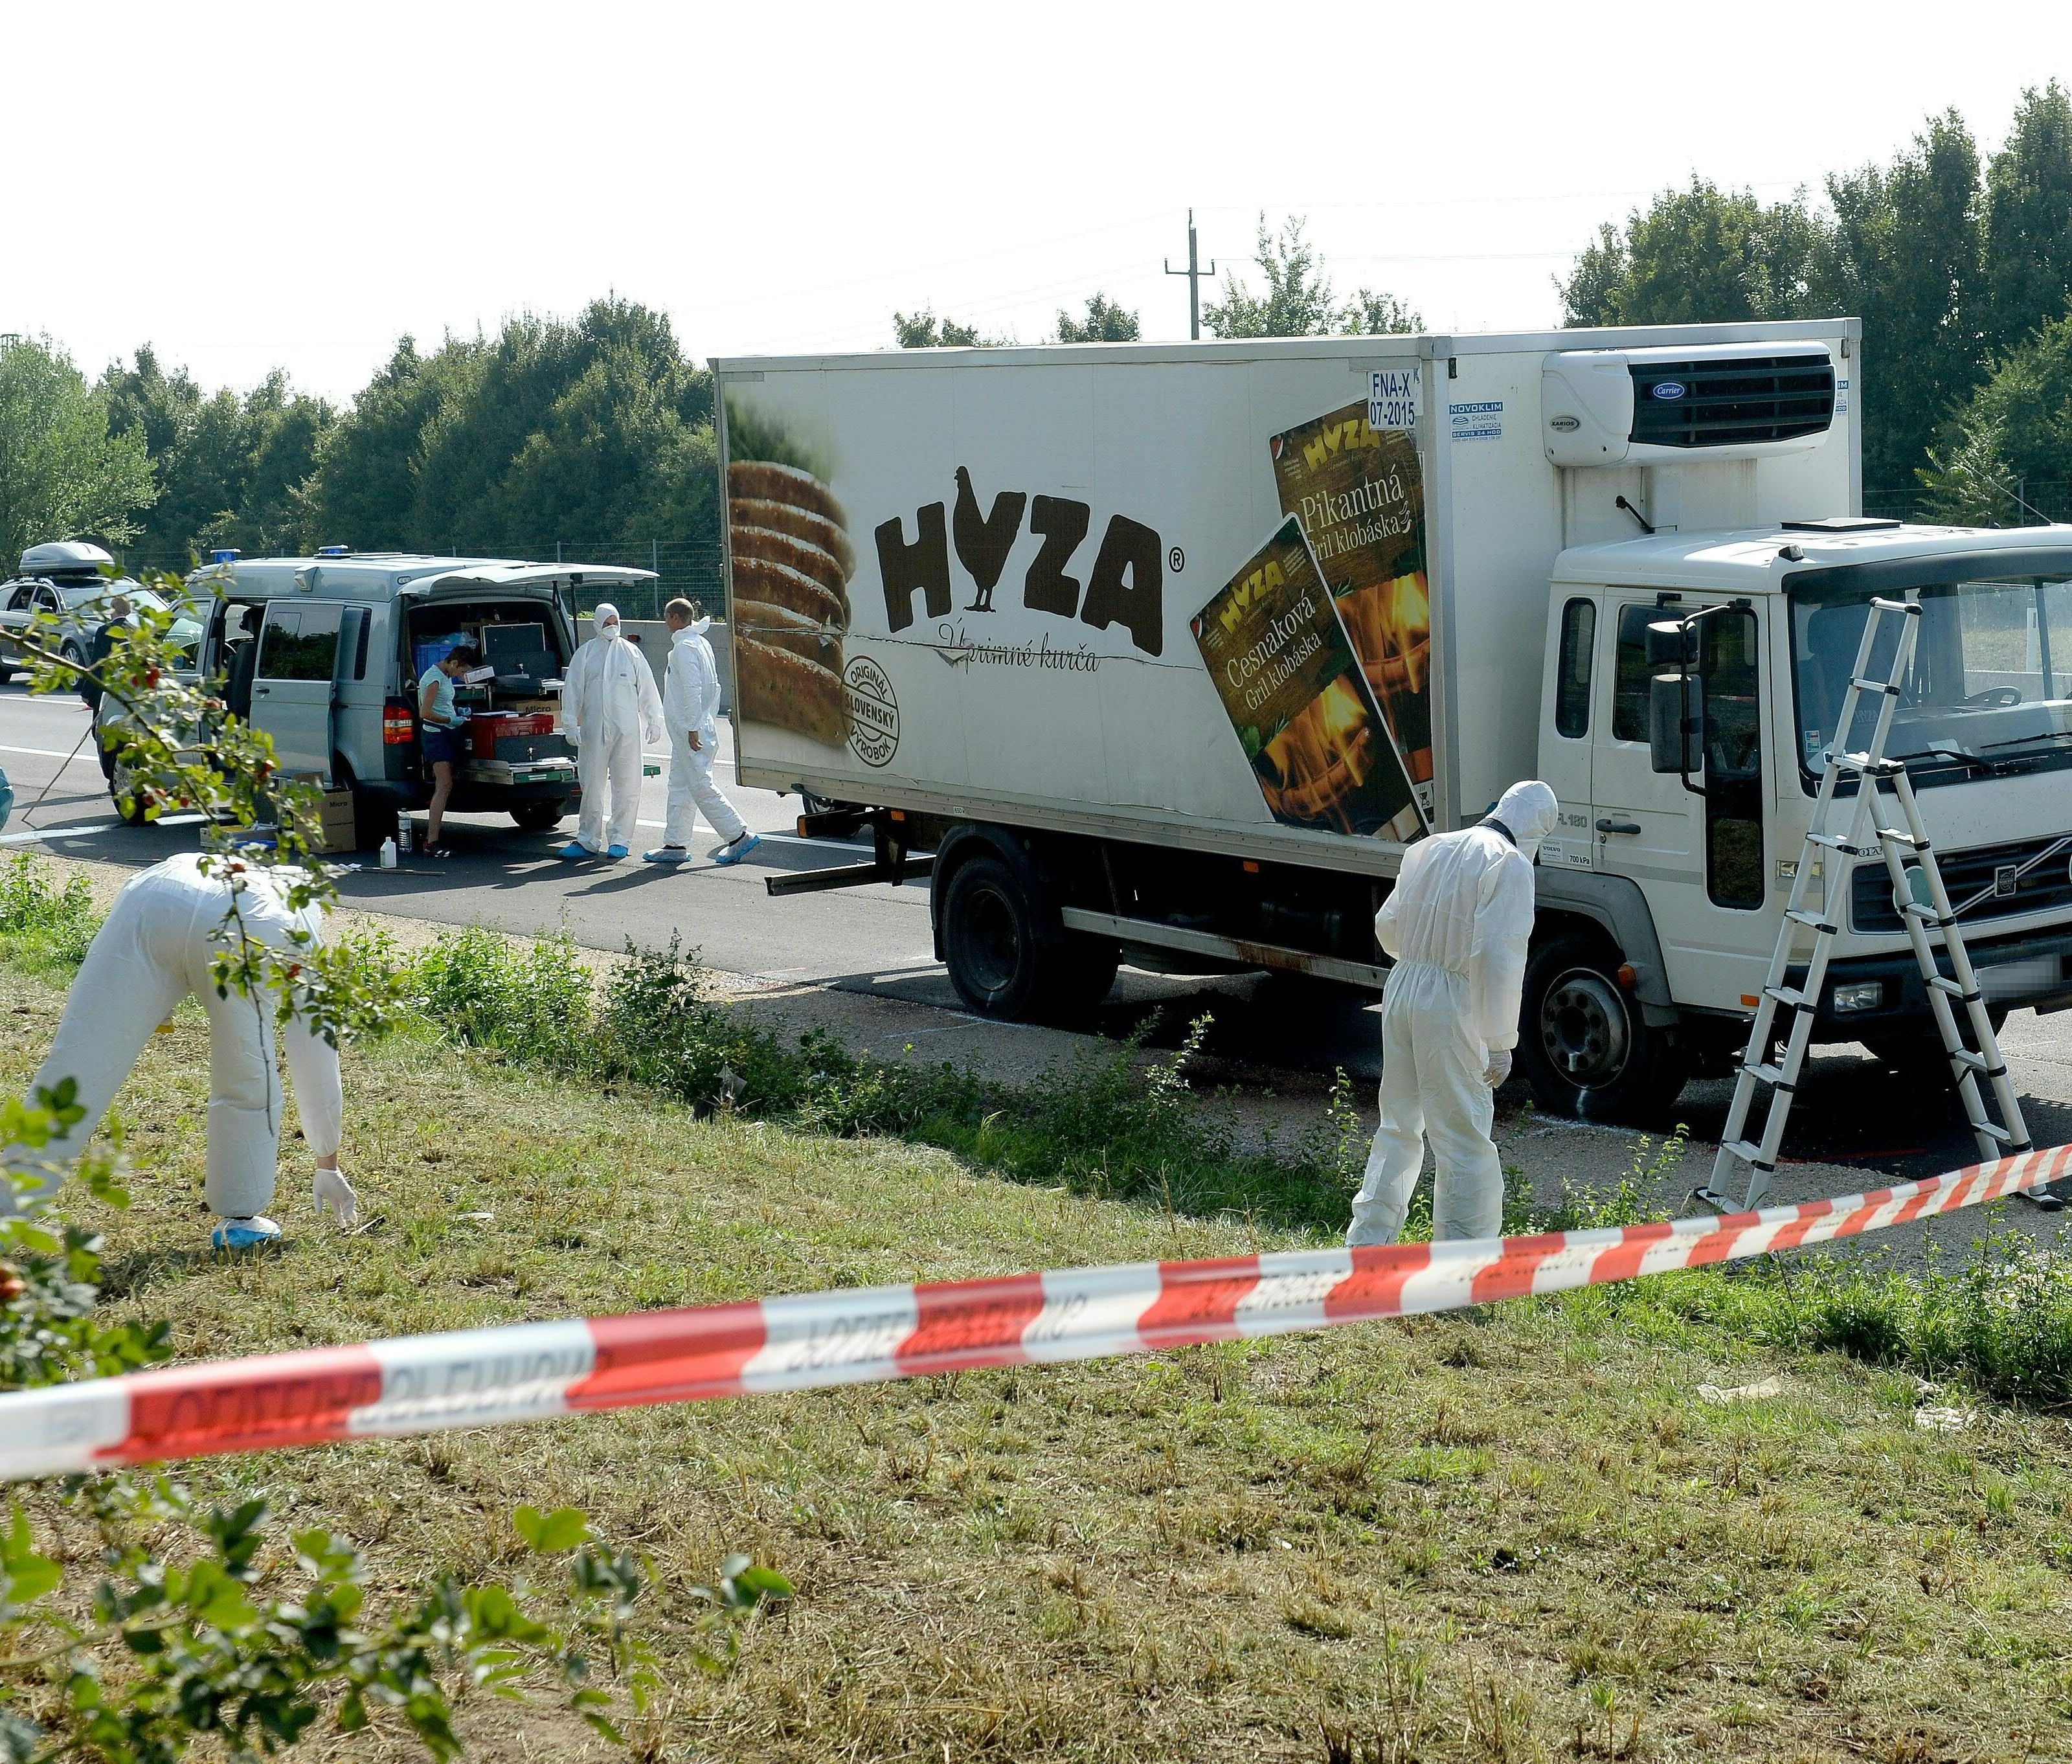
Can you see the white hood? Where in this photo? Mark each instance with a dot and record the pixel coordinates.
(1529, 811)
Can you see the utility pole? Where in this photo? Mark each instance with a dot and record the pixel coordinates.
(1194, 272)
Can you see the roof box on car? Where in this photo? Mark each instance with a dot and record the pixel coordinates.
(64, 557)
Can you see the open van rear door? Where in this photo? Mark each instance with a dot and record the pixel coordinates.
(557, 581)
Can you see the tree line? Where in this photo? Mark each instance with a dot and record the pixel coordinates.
(1960, 266)
(596, 428)
(1295, 300)
(599, 428)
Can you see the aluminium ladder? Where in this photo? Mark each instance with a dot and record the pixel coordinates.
(1924, 909)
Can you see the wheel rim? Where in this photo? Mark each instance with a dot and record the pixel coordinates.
(992, 940)
(1583, 1028)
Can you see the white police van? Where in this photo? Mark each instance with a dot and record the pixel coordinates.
(324, 654)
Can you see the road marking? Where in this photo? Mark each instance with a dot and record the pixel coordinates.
(48, 753)
(79, 831)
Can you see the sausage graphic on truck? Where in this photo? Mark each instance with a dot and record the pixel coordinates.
(1166, 653)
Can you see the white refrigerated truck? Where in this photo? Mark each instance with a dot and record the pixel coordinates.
(1164, 652)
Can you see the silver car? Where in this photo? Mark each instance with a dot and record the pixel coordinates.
(65, 583)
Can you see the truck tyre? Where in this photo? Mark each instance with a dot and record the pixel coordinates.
(540, 817)
(1004, 961)
(1585, 1047)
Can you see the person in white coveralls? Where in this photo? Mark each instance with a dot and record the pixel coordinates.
(1458, 924)
(154, 950)
(690, 707)
(609, 707)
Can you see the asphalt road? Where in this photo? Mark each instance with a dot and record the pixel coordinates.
(876, 941)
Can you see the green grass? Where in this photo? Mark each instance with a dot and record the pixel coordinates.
(1524, 1535)
(45, 924)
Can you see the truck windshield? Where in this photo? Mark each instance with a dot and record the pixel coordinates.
(1990, 685)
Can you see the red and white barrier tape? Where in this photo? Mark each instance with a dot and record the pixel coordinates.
(476, 1377)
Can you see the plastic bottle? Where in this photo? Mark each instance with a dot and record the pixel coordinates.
(388, 852)
(403, 833)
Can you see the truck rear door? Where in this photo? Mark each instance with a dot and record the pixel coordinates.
(292, 687)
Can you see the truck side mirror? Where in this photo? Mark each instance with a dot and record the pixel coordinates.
(1676, 735)
(1666, 645)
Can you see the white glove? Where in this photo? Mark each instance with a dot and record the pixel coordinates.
(333, 1190)
(1498, 1069)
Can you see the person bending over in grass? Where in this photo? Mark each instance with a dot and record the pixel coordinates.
(154, 949)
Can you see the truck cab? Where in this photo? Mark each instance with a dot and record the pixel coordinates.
(1688, 870)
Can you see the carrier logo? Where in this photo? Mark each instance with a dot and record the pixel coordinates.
(1666, 389)
(1123, 583)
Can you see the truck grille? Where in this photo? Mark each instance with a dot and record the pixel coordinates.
(1732, 402)
(1968, 875)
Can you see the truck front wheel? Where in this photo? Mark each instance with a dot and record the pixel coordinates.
(1004, 961)
(1586, 1048)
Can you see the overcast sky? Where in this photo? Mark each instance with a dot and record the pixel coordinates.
(297, 185)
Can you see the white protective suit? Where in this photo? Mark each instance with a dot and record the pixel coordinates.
(609, 707)
(690, 701)
(1458, 924)
(154, 949)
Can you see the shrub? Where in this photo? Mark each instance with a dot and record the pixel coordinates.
(531, 1000)
(44, 927)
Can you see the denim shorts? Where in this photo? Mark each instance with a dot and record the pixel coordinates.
(447, 744)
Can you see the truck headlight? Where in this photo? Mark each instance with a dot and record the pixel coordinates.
(1859, 995)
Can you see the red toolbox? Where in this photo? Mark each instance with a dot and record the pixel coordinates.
(487, 728)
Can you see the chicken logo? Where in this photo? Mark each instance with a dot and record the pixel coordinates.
(982, 543)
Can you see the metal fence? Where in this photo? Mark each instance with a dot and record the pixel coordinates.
(2024, 503)
(689, 567)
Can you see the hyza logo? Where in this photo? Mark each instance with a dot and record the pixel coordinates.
(1125, 585)
(874, 711)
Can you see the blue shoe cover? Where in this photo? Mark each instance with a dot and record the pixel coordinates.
(575, 848)
(739, 849)
(244, 1233)
(616, 851)
(668, 854)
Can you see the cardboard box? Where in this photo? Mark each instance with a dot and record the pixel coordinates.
(340, 826)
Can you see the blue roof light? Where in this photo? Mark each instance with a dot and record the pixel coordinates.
(229, 556)
(334, 551)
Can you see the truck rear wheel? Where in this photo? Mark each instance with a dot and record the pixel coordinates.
(1586, 1048)
(1004, 961)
